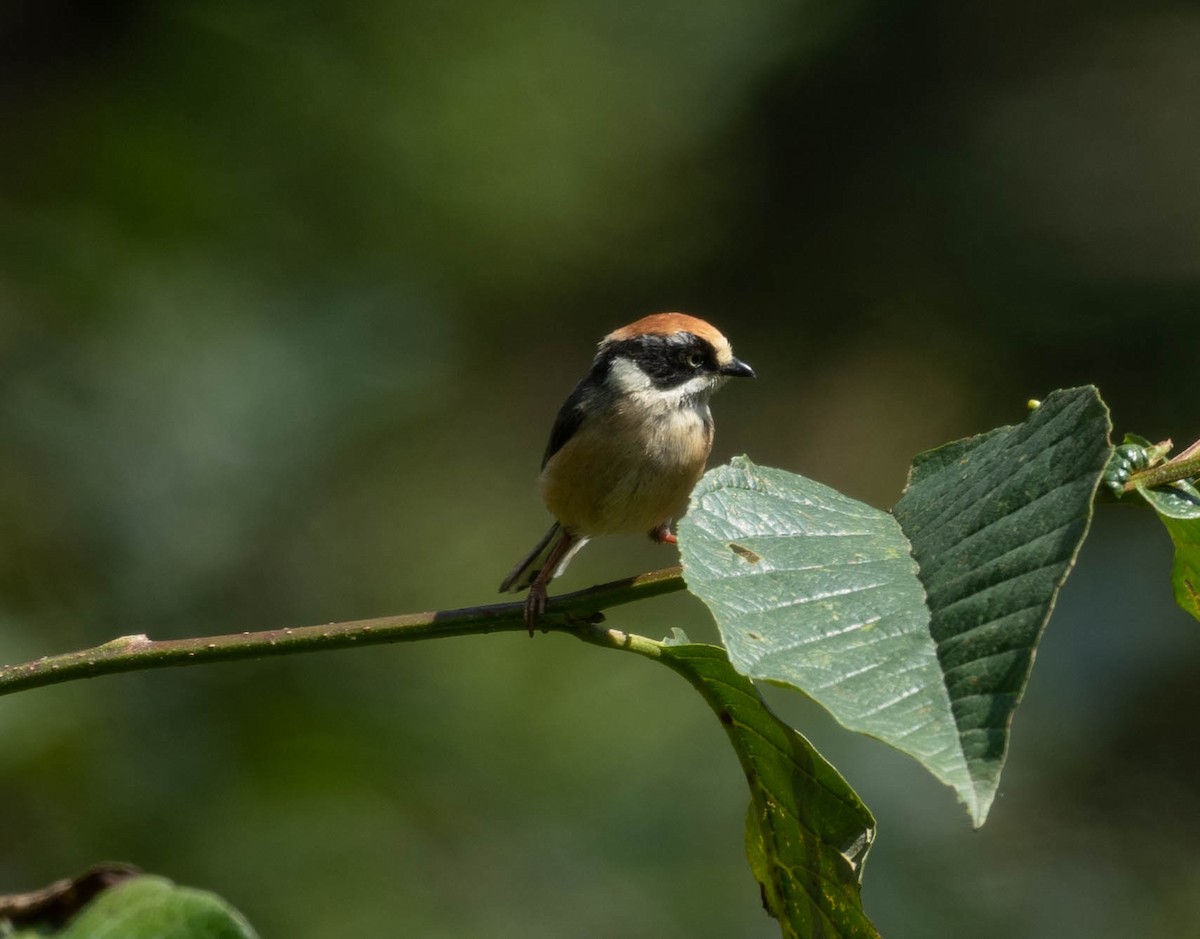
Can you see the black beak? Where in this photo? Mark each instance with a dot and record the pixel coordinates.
(736, 368)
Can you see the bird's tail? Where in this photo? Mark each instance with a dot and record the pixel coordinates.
(531, 565)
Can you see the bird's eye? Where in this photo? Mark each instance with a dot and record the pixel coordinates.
(694, 360)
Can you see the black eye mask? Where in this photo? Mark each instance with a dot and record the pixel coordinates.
(666, 360)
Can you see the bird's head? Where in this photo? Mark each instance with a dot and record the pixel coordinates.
(670, 357)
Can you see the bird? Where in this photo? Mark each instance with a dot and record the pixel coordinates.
(629, 443)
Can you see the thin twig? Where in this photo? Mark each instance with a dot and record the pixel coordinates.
(577, 612)
(1184, 466)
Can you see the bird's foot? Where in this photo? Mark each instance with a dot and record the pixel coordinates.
(535, 605)
(662, 535)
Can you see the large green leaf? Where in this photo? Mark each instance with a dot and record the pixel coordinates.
(816, 590)
(807, 832)
(996, 522)
(150, 908)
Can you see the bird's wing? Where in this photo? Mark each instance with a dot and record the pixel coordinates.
(571, 416)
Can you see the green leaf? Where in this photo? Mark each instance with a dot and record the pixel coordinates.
(807, 832)
(1178, 506)
(996, 522)
(816, 590)
(151, 908)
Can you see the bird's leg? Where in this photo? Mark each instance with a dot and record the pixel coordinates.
(535, 602)
(662, 534)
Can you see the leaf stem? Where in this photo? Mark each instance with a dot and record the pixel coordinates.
(577, 613)
(1185, 466)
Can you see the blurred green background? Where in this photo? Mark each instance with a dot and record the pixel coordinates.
(289, 296)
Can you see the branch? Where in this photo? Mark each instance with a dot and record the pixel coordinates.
(577, 613)
(1173, 471)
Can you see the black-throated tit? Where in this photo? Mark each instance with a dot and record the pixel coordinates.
(629, 443)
